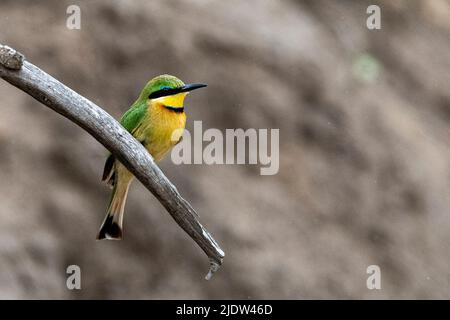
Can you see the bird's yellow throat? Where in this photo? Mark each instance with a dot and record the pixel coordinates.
(174, 101)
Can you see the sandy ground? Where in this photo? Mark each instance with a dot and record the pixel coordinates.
(364, 173)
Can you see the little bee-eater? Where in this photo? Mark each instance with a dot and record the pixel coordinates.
(157, 120)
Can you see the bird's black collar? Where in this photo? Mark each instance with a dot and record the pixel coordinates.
(174, 109)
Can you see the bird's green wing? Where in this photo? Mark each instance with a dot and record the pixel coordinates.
(130, 121)
(133, 117)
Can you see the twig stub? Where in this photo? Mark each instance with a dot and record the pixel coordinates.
(10, 58)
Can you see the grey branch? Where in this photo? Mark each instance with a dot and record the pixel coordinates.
(55, 95)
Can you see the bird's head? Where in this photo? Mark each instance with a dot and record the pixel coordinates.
(168, 91)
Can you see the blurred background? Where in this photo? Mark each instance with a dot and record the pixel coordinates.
(364, 179)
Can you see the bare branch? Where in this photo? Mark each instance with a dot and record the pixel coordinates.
(104, 128)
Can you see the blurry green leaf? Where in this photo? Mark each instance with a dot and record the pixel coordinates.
(366, 68)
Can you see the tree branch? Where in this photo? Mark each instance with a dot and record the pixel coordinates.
(105, 129)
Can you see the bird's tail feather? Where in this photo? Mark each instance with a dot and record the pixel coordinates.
(111, 228)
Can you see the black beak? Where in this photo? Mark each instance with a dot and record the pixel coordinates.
(192, 86)
(171, 91)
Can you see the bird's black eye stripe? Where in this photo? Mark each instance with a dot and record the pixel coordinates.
(163, 92)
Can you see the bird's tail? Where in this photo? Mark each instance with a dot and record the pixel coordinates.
(111, 228)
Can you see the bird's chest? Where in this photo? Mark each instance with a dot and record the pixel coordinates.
(161, 130)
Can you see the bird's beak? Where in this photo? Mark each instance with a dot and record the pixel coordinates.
(192, 86)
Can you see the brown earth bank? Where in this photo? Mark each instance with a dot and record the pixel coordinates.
(364, 175)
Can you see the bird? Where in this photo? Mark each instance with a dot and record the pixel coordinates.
(157, 120)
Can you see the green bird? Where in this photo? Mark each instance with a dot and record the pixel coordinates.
(157, 120)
